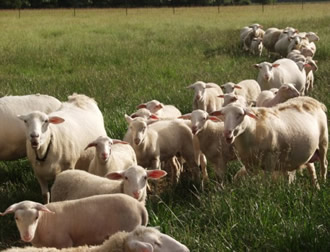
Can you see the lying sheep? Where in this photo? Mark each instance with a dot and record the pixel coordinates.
(76, 184)
(282, 138)
(160, 110)
(77, 222)
(249, 89)
(209, 132)
(284, 93)
(205, 97)
(146, 239)
(233, 98)
(154, 142)
(12, 130)
(55, 142)
(273, 75)
(110, 155)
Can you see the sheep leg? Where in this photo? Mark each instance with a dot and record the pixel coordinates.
(203, 164)
(312, 173)
(323, 158)
(44, 189)
(241, 173)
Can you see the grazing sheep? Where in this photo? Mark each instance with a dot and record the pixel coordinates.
(77, 222)
(273, 75)
(233, 98)
(141, 239)
(205, 97)
(110, 155)
(12, 130)
(284, 93)
(256, 46)
(160, 110)
(249, 89)
(154, 142)
(209, 132)
(76, 184)
(282, 138)
(55, 142)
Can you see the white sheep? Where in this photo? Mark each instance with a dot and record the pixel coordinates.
(160, 110)
(144, 113)
(12, 130)
(146, 239)
(256, 46)
(310, 67)
(209, 131)
(248, 33)
(273, 75)
(233, 98)
(76, 184)
(249, 89)
(272, 35)
(286, 44)
(205, 97)
(56, 142)
(281, 138)
(110, 155)
(77, 222)
(154, 142)
(284, 93)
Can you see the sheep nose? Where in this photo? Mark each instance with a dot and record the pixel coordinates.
(136, 195)
(194, 130)
(27, 237)
(267, 77)
(104, 156)
(136, 141)
(34, 135)
(227, 133)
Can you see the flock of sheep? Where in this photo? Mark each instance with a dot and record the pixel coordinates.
(101, 184)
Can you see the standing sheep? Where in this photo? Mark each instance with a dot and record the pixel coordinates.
(205, 97)
(141, 239)
(249, 89)
(273, 75)
(282, 138)
(110, 155)
(76, 184)
(160, 110)
(256, 46)
(55, 142)
(77, 222)
(12, 130)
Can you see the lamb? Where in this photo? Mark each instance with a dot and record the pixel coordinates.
(77, 222)
(284, 93)
(154, 142)
(233, 98)
(256, 46)
(12, 130)
(142, 238)
(55, 142)
(249, 89)
(281, 138)
(110, 155)
(76, 184)
(209, 131)
(205, 97)
(273, 75)
(160, 110)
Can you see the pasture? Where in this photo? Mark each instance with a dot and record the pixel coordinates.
(123, 60)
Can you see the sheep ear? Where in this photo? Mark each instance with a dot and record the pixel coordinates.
(221, 96)
(256, 66)
(56, 120)
(138, 246)
(275, 65)
(128, 119)
(21, 117)
(156, 174)
(152, 121)
(185, 116)
(142, 105)
(153, 116)
(116, 141)
(92, 144)
(214, 118)
(237, 86)
(233, 99)
(114, 175)
(250, 114)
(192, 86)
(160, 106)
(43, 208)
(216, 113)
(10, 209)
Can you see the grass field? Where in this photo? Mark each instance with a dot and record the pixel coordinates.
(122, 60)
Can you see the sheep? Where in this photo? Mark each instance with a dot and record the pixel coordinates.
(160, 110)
(142, 238)
(256, 46)
(286, 44)
(12, 130)
(154, 142)
(310, 67)
(209, 132)
(281, 138)
(233, 98)
(273, 75)
(110, 155)
(249, 89)
(77, 222)
(144, 113)
(247, 34)
(55, 142)
(132, 181)
(205, 97)
(285, 92)
(272, 35)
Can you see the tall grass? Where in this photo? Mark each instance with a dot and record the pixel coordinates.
(122, 61)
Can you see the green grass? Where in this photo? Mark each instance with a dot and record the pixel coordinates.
(122, 61)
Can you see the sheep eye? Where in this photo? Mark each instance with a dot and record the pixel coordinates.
(145, 177)
(37, 217)
(16, 218)
(158, 244)
(46, 121)
(25, 121)
(126, 178)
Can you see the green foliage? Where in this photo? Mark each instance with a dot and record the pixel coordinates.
(122, 61)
